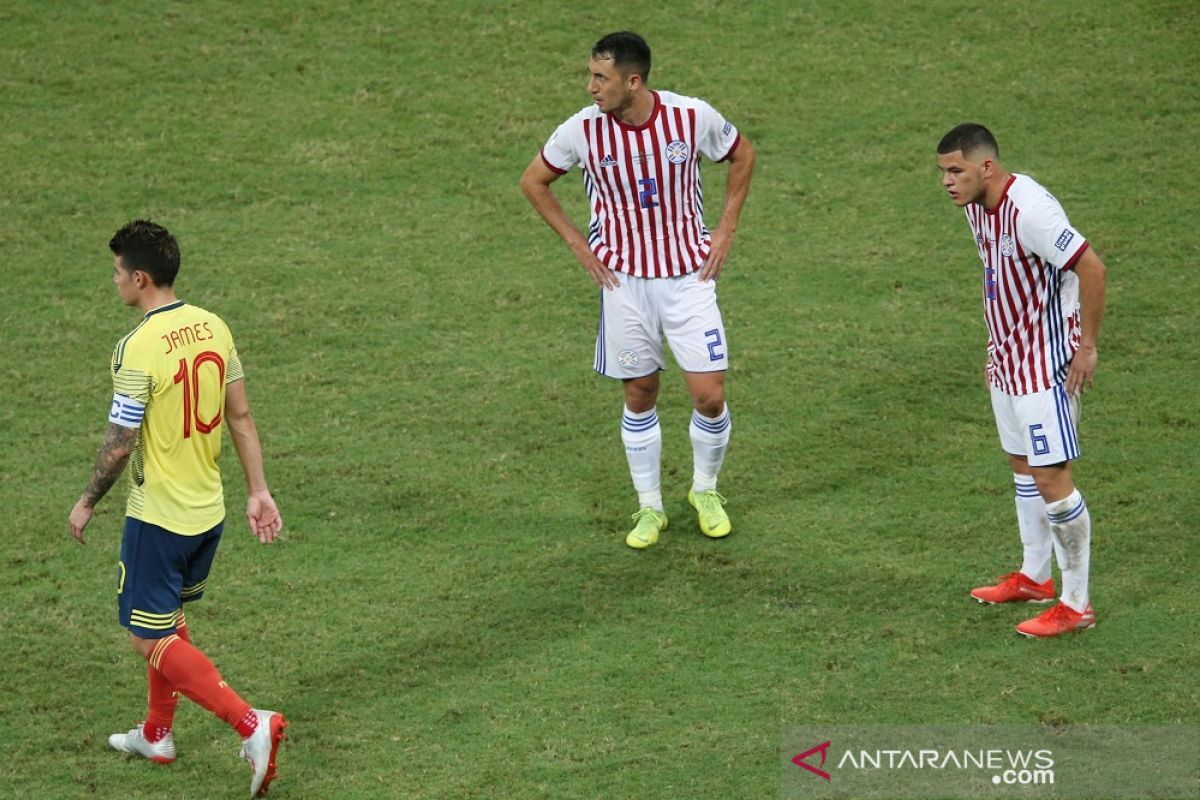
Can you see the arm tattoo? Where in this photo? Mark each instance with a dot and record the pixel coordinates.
(110, 461)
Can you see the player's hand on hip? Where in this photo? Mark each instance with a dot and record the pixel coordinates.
(1083, 367)
(602, 276)
(81, 515)
(263, 516)
(712, 266)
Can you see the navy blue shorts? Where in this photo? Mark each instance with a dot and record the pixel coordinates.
(159, 571)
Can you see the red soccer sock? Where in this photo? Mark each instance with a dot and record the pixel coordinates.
(161, 697)
(197, 679)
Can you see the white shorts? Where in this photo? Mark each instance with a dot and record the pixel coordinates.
(1039, 426)
(636, 316)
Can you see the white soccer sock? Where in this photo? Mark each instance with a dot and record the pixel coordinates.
(642, 437)
(1034, 525)
(1072, 528)
(710, 438)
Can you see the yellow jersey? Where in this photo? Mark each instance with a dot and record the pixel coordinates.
(170, 374)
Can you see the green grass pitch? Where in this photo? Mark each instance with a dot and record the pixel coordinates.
(452, 612)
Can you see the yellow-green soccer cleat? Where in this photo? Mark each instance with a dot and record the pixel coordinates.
(650, 522)
(710, 511)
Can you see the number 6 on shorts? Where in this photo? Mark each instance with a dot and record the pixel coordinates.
(1040, 445)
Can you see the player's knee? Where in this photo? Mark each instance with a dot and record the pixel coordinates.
(710, 402)
(640, 396)
(1054, 483)
(1052, 493)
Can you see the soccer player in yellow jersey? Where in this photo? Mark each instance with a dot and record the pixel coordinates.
(177, 382)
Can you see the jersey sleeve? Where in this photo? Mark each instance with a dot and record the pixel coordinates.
(132, 385)
(233, 370)
(130, 377)
(233, 364)
(561, 151)
(1045, 229)
(717, 137)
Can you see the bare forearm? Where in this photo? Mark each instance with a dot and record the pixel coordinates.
(1091, 313)
(110, 463)
(535, 185)
(1093, 293)
(544, 201)
(737, 187)
(244, 434)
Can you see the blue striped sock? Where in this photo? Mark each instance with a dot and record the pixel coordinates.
(1071, 525)
(710, 439)
(642, 436)
(1036, 541)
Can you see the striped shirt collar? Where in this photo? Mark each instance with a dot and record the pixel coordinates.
(168, 307)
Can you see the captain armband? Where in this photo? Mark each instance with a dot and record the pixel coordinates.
(126, 411)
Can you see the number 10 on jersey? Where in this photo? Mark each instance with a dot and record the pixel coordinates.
(189, 376)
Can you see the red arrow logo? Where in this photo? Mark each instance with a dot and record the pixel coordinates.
(800, 762)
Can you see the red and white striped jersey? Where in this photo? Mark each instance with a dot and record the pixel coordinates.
(1030, 294)
(643, 183)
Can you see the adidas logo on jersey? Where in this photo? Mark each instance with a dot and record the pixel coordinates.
(608, 161)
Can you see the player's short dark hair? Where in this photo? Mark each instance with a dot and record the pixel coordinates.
(147, 246)
(970, 137)
(629, 53)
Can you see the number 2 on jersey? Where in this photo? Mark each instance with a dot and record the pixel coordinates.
(649, 190)
(191, 391)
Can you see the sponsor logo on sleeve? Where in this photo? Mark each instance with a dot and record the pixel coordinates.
(728, 127)
(1064, 239)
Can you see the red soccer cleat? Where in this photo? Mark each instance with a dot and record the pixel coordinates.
(1015, 588)
(1058, 620)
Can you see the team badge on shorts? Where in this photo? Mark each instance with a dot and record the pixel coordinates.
(1007, 248)
(627, 358)
(677, 151)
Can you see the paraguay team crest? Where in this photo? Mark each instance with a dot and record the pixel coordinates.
(677, 151)
(1007, 248)
(627, 358)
